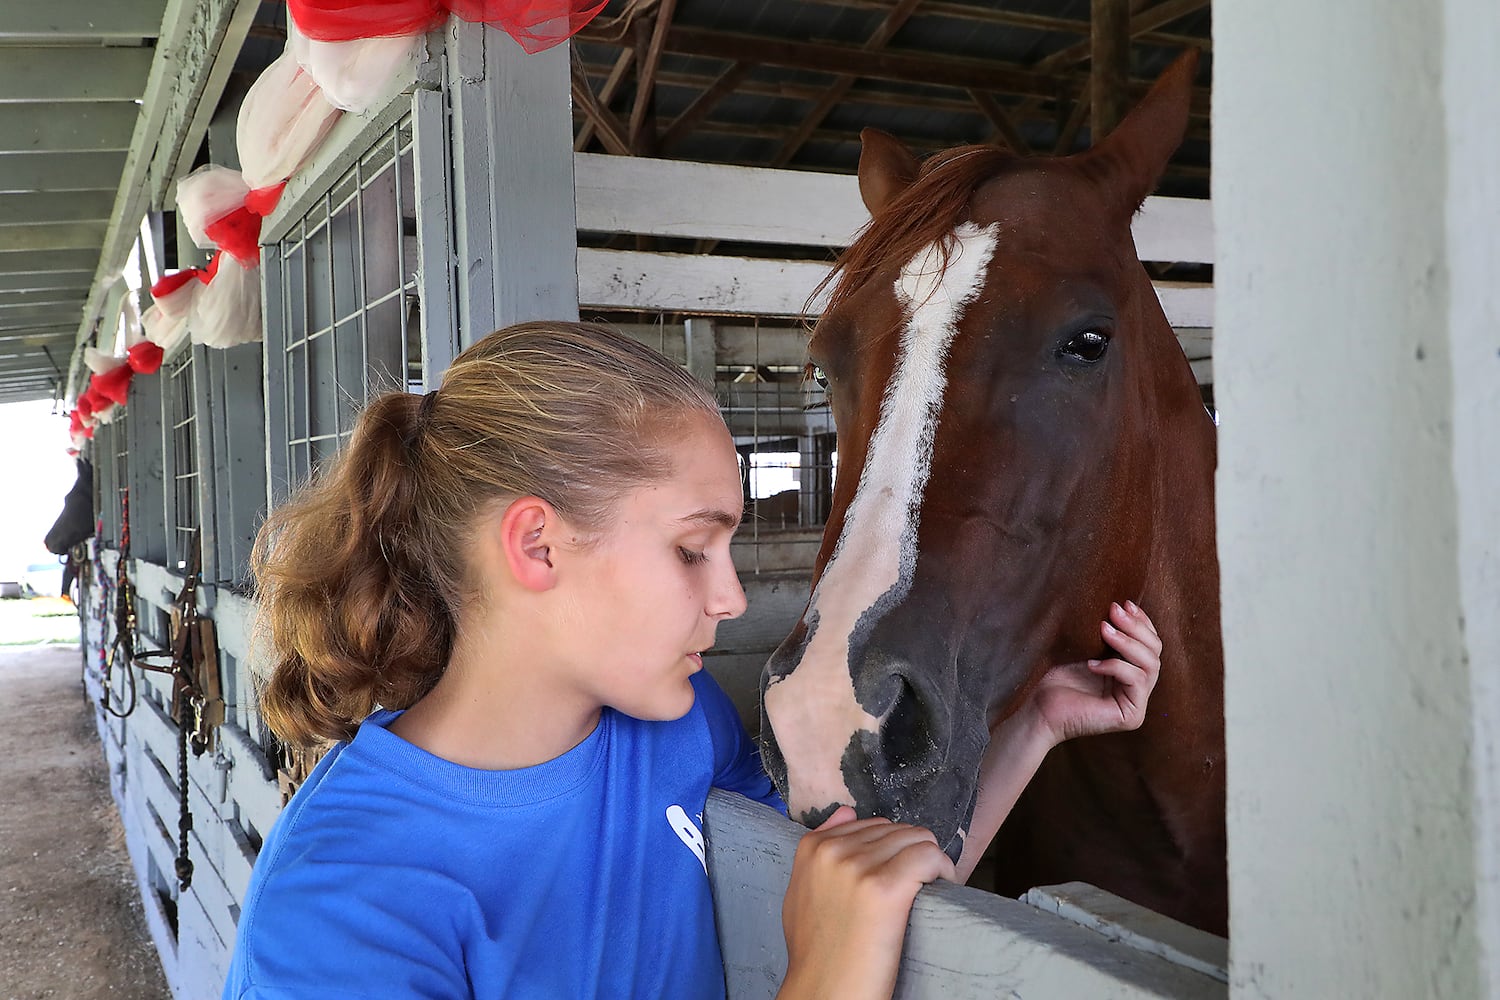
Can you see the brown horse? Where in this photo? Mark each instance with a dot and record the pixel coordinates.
(1021, 442)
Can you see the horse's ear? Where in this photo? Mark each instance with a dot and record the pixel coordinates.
(886, 168)
(1133, 157)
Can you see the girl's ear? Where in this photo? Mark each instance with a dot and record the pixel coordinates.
(526, 531)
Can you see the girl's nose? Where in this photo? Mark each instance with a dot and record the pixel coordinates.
(729, 597)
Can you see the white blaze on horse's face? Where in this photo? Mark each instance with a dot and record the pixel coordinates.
(813, 709)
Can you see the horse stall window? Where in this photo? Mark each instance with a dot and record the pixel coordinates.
(342, 308)
(182, 454)
(237, 444)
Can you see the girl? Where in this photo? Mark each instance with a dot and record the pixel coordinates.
(494, 605)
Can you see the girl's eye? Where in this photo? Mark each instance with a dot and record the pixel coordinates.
(690, 557)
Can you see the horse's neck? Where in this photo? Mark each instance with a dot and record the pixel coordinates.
(1182, 587)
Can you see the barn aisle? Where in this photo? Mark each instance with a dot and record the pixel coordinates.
(71, 924)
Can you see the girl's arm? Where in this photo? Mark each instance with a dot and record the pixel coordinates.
(852, 886)
(1075, 699)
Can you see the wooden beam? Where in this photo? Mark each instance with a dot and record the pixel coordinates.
(1141, 26)
(1109, 52)
(66, 127)
(876, 93)
(54, 206)
(54, 20)
(611, 133)
(45, 282)
(1069, 133)
(53, 236)
(48, 297)
(992, 14)
(1005, 129)
(607, 93)
(80, 73)
(645, 75)
(892, 23)
(30, 317)
(962, 73)
(24, 172)
(705, 102)
(40, 263)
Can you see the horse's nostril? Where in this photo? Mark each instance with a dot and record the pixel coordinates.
(906, 733)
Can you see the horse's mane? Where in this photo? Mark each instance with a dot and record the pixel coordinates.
(929, 209)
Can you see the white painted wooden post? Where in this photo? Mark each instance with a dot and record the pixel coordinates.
(1358, 382)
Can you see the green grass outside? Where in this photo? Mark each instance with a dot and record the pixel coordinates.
(27, 622)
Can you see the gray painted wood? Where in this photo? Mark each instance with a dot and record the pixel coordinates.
(148, 538)
(961, 944)
(435, 262)
(1123, 921)
(513, 195)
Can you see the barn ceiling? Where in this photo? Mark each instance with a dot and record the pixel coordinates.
(103, 103)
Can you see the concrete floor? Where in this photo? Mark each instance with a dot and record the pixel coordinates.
(71, 925)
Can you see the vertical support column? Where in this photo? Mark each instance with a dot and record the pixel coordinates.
(1470, 82)
(515, 227)
(435, 270)
(148, 526)
(702, 348)
(1356, 364)
(1109, 44)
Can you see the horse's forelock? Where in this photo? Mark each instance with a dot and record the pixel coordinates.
(926, 212)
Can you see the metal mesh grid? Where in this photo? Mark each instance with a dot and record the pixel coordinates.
(119, 438)
(183, 416)
(350, 313)
(783, 431)
(781, 424)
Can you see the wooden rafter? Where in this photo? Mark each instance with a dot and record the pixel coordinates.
(1109, 56)
(1005, 128)
(1142, 25)
(703, 104)
(873, 92)
(993, 14)
(607, 92)
(842, 84)
(611, 133)
(645, 76)
(962, 73)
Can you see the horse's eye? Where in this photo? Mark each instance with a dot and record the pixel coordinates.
(1088, 346)
(815, 373)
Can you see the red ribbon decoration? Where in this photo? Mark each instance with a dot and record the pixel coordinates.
(77, 426)
(114, 385)
(171, 282)
(535, 24)
(144, 358)
(262, 200)
(237, 234)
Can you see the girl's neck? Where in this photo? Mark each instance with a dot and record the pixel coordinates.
(494, 708)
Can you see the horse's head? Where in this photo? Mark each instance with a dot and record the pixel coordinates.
(76, 522)
(999, 370)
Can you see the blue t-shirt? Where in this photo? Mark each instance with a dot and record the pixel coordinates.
(395, 873)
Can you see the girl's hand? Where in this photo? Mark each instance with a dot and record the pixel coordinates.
(853, 883)
(1103, 696)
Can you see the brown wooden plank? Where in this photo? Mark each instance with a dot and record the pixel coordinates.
(1109, 54)
(642, 138)
(703, 104)
(841, 86)
(617, 74)
(610, 131)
